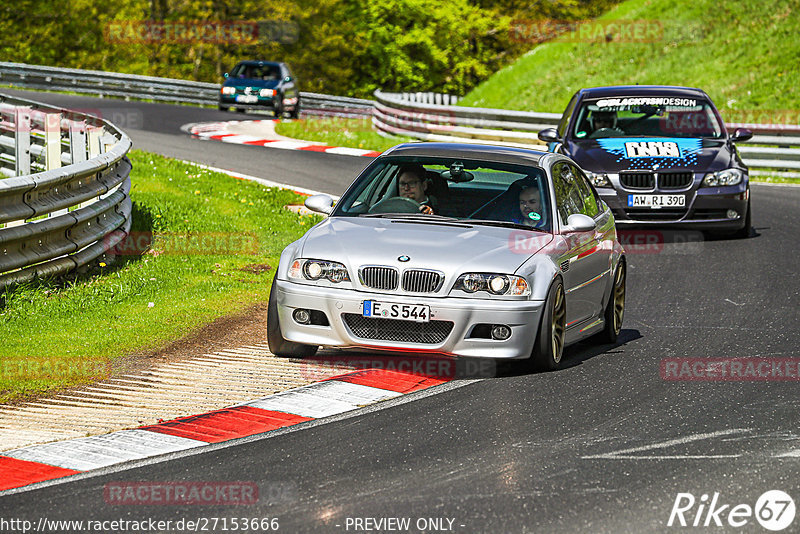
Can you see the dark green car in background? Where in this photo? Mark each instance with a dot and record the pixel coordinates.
(261, 85)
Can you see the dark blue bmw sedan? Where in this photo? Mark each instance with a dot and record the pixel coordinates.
(658, 155)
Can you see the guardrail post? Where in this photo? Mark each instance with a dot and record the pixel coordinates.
(22, 140)
(52, 140)
(77, 141)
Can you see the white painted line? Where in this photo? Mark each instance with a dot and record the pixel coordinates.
(347, 151)
(625, 453)
(262, 181)
(101, 451)
(791, 454)
(239, 139)
(291, 145)
(209, 133)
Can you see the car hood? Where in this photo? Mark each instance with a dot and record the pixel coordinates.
(649, 153)
(450, 248)
(251, 82)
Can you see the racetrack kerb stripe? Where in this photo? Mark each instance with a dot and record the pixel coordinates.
(350, 391)
(15, 473)
(226, 424)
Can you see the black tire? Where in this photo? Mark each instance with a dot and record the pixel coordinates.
(549, 346)
(240, 110)
(223, 108)
(744, 233)
(277, 345)
(615, 308)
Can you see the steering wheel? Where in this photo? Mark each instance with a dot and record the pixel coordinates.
(606, 132)
(396, 205)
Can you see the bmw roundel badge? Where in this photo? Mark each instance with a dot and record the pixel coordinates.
(403, 258)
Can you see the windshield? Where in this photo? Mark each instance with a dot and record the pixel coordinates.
(646, 117)
(452, 191)
(256, 72)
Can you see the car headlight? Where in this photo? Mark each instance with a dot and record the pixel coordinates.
(318, 270)
(266, 92)
(228, 90)
(494, 284)
(724, 177)
(598, 179)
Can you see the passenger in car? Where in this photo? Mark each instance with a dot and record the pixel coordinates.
(530, 210)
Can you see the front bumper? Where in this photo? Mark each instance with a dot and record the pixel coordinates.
(522, 317)
(706, 207)
(262, 103)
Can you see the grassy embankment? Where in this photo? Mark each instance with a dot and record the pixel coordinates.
(213, 238)
(336, 131)
(742, 54)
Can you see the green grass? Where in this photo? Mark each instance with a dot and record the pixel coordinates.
(743, 54)
(60, 334)
(337, 131)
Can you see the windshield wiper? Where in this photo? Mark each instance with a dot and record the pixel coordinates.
(505, 224)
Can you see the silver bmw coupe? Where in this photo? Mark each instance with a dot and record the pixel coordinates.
(462, 250)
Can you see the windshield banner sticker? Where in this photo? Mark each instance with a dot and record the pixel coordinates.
(643, 153)
(647, 101)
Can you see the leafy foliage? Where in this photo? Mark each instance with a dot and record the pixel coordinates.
(346, 47)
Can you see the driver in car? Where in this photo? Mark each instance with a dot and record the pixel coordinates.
(605, 120)
(412, 183)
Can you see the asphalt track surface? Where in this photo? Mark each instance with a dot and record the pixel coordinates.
(603, 445)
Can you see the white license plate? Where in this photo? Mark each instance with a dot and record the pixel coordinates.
(392, 310)
(656, 201)
(247, 99)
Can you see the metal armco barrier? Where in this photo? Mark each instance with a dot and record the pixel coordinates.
(414, 115)
(129, 86)
(63, 191)
(425, 116)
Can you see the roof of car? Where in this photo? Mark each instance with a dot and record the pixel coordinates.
(252, 62)
(642, 90)
(495, 153)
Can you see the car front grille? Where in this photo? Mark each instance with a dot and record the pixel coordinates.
(383, 278)
(675, 180)
(397, 330)
(637, 180)
(421, 281)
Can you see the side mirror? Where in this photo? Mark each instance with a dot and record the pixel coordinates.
(320, 204)
(549, 135)
(741, 135)
(225, 75)
(578, 222)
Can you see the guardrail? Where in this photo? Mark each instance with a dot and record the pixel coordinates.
(135, 86)
(425, 116)
(410, 115)
(64, 201)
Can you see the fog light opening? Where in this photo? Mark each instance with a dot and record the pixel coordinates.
(732, 214)
(500, 332)
(301, 316)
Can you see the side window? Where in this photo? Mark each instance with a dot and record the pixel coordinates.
(562, 126)
(591, 204)
(568, 196)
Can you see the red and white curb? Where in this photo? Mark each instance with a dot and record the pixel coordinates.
(343, 393)
(220, 131)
